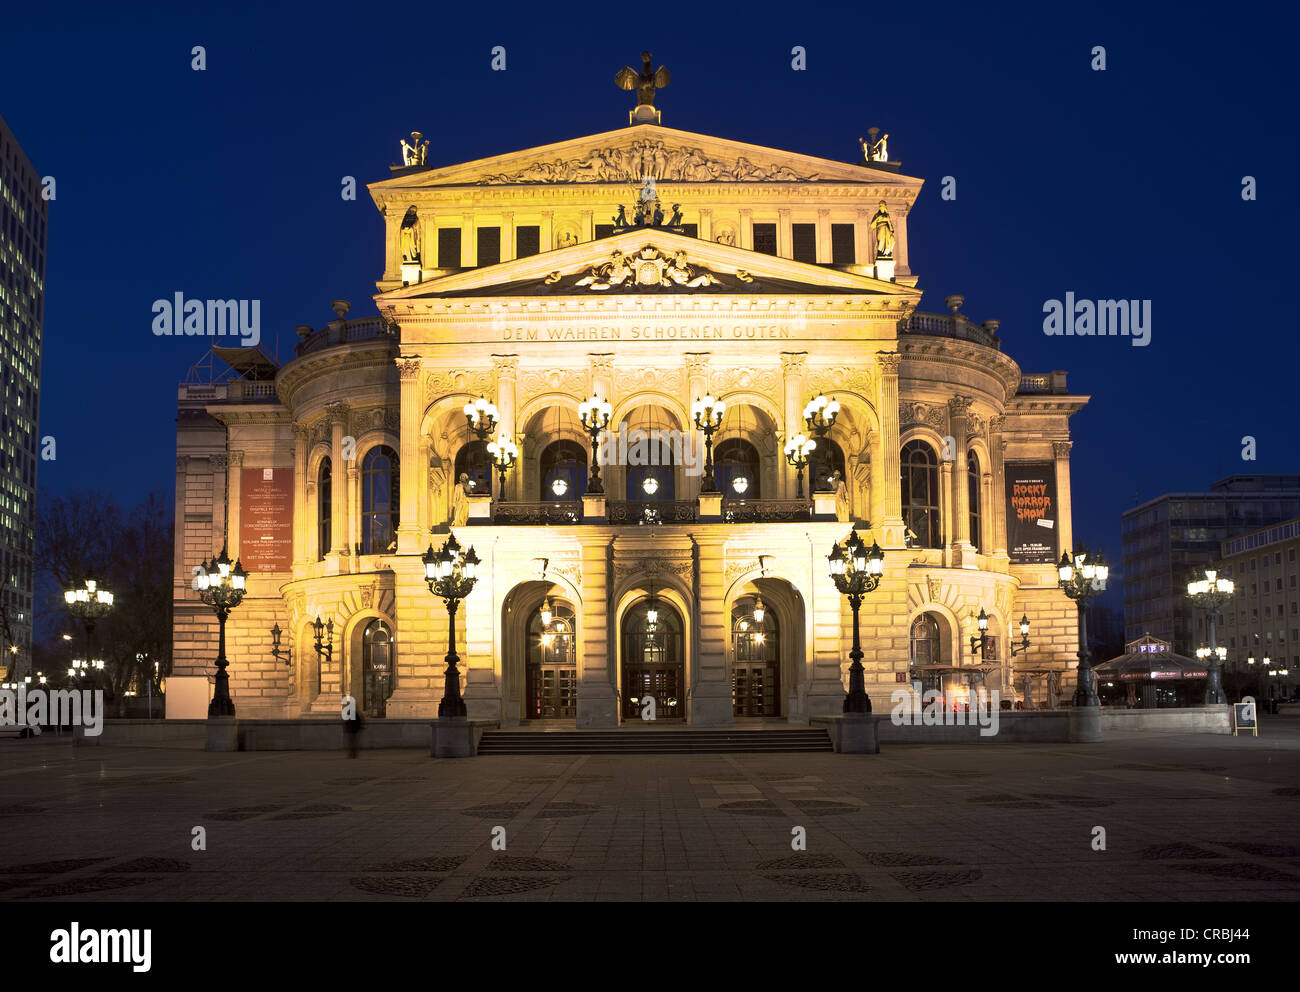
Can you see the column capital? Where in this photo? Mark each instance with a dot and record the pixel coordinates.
(408, 366)
(793, 362)
(959, 406)
(181, 462)
(337, 413)
(601, 363)
(506, 365)
(696, 361)
(889, 362)
(236, 458)
(997, 423)
(301, 432)
(1061, 449)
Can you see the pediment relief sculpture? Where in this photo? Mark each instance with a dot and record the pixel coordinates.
(648, 267)
(635, 161)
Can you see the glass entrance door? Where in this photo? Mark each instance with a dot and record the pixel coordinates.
(756, 665)
(552, 677)
(653, 663)
(377, 666)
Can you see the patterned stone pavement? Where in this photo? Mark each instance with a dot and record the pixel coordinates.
(1186, 818)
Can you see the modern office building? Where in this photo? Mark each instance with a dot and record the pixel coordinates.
(1261, 622)
(1168, 541)
(24, 214)
(648, 268)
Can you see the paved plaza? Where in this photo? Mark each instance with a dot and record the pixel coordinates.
(1185, 817)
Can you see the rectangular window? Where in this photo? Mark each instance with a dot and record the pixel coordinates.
(449, 247)
(604, 230)
(528, 240)
(489, 246)
(690, 230)
(765, 238)
(842, 250)
(803, 240)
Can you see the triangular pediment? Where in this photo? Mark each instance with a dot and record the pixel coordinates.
(630, 153)
(650, 260)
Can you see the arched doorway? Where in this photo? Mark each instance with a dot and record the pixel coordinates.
(653, 660)
(551, 663)
(756, 660)
(377, 667)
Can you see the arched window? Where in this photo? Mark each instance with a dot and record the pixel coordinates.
(973, 496)
(920, 470)
(825, 459)
(650, 466)
(473, 460)
(378, 668)
(736, 469)
(379, 500)
(925, 641)
(562, 471)
(324, 508)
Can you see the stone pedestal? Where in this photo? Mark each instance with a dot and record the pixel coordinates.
(710, 506)
(1085, 725)
(712, 705)
(453, 737)
(597, 706)
(593, 509)
(855, 733)
(410, 273)
(643, 114)
(823, 506)
(480, 508)
(885, 269)
(223, 733)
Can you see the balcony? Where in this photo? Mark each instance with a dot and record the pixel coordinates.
(952, 325)
(642, 512)
(338, 332)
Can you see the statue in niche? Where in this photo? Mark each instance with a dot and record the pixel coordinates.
(568, 239)
(726, 238)
(883, 228)
(842, 512)
(862, 479)
(437, 487)
(460, 501)
(411, 236)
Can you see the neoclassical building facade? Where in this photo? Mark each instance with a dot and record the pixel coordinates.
(646, 267)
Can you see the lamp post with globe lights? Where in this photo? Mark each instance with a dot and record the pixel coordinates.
(89, 603)
(222, 587)
(481, 418)
(594, 414)
(451, 576)
(504, 452)
(819, 415)
(1210, 593)
(856, 571)
(707, 413)
(1082, 578)
(797, 450)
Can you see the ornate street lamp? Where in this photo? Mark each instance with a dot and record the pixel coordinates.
(481, 416)
(707, 413)
(819, 414)
(1024, 636)
(979, 643)
(797, 450)
(276, 652)
(1210, 593)
(89, 604)
(1081, 579)
(221, 587)
(323, 639)
(451, 576)
(594, 416)
(856, 571)
(504, 452)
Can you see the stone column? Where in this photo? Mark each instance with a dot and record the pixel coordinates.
(997, 447)
(958, 412)
(468, 242)
(1064, 525)
(507, 235)
(711, 690)
(414, 474)
(588, 232)
(180, 567)
(354, 508)
(301, 524)
(784, 235)
(891, 529)
(234, 469)
(987, 523)
(425, 448)
(507, 377)
(823, 235)
(338, 414)
(899, 213)
(597, 696)
(745, 236)
(793, 372)
(705, 224)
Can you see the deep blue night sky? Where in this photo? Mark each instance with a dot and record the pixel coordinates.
(1123, 183)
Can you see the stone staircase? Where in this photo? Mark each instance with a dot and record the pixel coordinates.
(674, 741)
